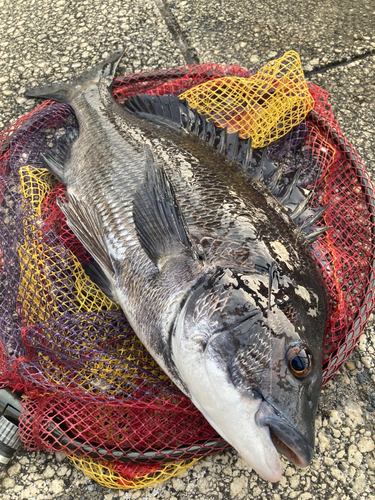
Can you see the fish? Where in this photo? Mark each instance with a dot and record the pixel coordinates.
(214, 274)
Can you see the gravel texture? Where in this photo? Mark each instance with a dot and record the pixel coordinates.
(44, 41)
(52, 41)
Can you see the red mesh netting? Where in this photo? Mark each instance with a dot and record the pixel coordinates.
(346, 252)
(92, 388)
(154, 432)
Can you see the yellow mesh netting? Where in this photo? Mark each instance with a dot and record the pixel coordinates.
(265, 106)
(108, 374)
(52, 281)
(51, 276)
(109, 478)
(36, 183)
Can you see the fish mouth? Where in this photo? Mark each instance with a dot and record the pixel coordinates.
(283, 448)
(286, 438)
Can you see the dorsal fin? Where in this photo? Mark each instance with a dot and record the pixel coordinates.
(179, 112)
(223, 141)
(254, 161)
(315, 233)
(301, 206)
(311, 215)
(231, 147)
(193, 120)
(210, 133)
(283, 199)
(245, 153)
(256, 166)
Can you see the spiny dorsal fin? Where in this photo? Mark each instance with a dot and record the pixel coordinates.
(312, 215)
(203, 128)
(256, 166)
(184, 120)
(173, 110)
(85, 224)
(231, 148)
(179, 112)
(284, 198)
(223, 141)
(210, 134)
(254, 161)
(160, 224)
(245, 153)
(315, 233)
(193, 120)
(301, 207)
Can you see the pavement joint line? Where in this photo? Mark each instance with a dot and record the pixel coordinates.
(342, 62)
(189, 53)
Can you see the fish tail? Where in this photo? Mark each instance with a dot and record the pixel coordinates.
(102, 72)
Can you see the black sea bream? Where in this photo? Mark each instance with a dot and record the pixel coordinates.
(212, 273)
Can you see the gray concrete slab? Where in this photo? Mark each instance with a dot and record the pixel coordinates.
(41, 41)
(44, 41)
(246, 32)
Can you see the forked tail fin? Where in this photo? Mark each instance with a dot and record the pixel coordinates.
(103, 72)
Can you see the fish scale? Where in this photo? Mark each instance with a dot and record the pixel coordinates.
(213, 275)
(202, 183)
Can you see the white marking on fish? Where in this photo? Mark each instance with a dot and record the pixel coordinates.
(316, 298)
(282, 252)
(302, 292)
(253, 282)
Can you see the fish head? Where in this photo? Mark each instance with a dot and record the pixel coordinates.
(248, 346)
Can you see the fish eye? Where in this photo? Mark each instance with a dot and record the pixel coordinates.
(300, 361)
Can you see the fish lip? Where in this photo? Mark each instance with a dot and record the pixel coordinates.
(286, 438)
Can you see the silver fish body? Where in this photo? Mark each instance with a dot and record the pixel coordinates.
(213, 275)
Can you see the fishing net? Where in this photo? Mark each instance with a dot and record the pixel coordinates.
(264, 106)
(120, 476)
(91, 390)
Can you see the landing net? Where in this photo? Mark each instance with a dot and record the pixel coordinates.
(91, 389)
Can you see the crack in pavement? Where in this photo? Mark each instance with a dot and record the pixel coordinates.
(342, 62)
(191, 56)
(189, 53)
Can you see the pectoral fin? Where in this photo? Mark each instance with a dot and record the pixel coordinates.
(160, 224)
(85, 224)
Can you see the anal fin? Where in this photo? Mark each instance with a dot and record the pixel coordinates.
(96, 274)
(55, 157)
